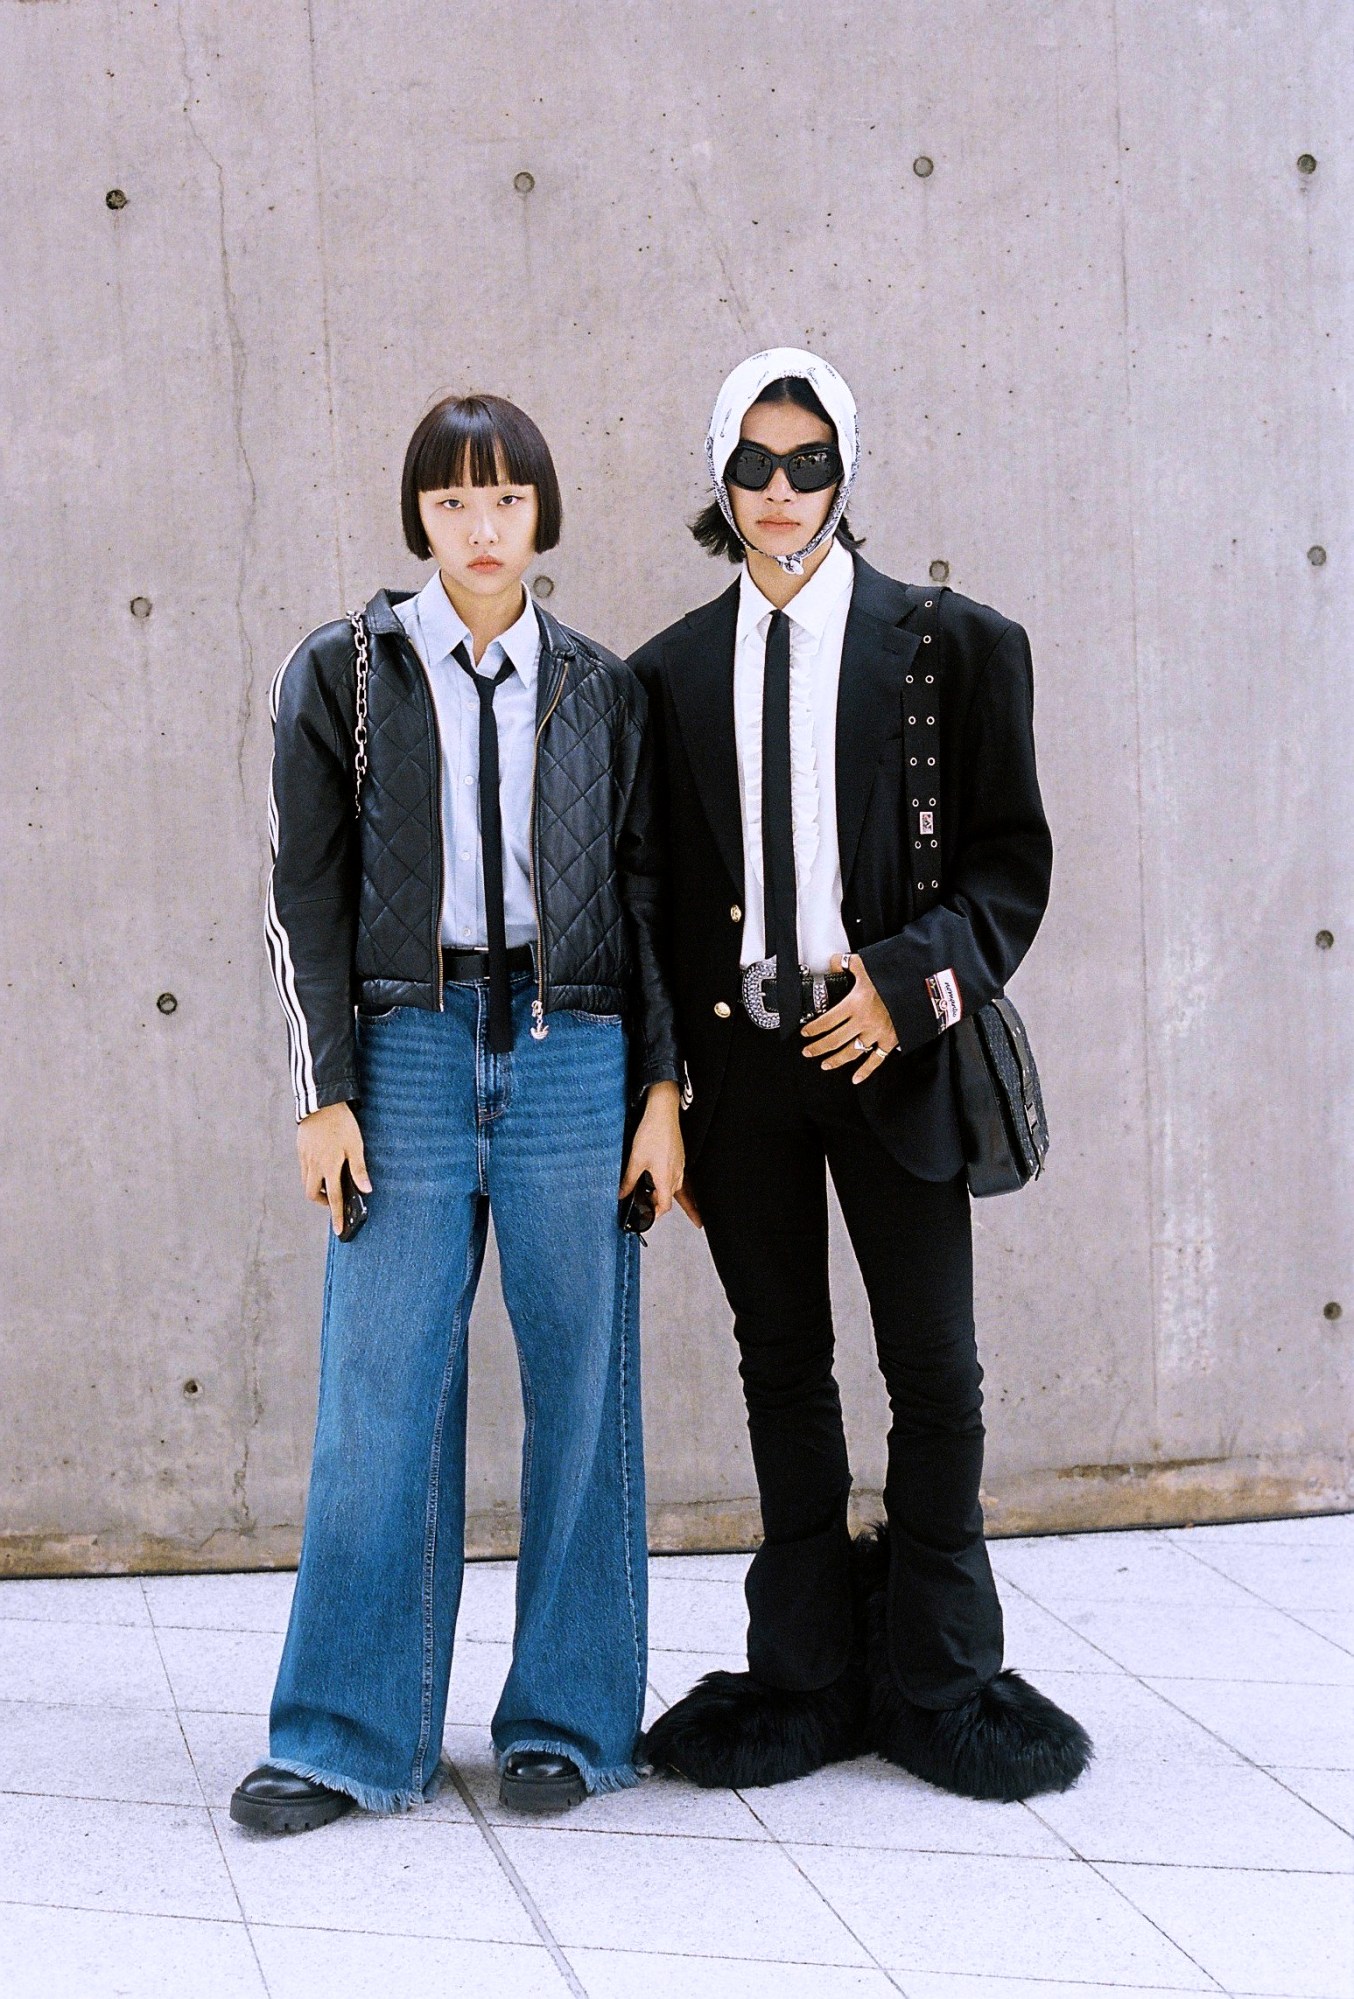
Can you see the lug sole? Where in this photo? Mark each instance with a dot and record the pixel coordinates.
(554, 1794)
(261, 1816)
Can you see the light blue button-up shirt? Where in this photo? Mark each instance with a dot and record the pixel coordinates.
(434, 629)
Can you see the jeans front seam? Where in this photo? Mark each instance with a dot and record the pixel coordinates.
(628, 1259)
(430, 1529)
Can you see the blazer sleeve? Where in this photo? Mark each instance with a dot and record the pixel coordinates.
(997, 882)
(642, 867)
(312, 886)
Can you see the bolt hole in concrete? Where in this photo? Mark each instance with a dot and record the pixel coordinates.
(167, 1003)
(939, 571)
(1332, 1311)
(192, 1388)
(1324, 939)
(524, 182)
(1306, 163)
(544, 586)
(922, 167)
(115, 199)
(140, 607)
(1316, 556)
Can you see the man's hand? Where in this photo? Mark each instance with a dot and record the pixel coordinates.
(324, 1140)
(857, 1029)
(658, 1149)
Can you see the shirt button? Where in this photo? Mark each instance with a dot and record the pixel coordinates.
(722, 1009)
(735, 914)
(467, 780)
(465, 853)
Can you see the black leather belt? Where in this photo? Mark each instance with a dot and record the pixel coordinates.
(817, 992)
(460, 967)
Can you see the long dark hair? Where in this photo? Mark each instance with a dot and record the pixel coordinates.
(711, 529)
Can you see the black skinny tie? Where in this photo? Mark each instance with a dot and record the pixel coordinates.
(778, 841)
(491, 852)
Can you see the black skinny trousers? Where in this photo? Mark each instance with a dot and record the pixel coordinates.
(762, 1190)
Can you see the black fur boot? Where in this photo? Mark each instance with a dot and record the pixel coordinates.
(731, 1731)
(1007, 1741)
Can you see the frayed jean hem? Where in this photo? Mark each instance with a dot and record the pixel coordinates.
(622, 1778)
(371, 1799)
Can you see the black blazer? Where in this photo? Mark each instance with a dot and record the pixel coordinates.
(972, 905)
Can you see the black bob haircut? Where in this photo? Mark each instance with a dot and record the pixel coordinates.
(479, 441)
(711, 529)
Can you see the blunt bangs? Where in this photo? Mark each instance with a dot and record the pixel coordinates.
(478, 441)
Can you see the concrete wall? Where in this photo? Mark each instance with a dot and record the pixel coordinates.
(1102, 355)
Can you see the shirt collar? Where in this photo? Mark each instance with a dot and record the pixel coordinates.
(444, 628)
(809, 608)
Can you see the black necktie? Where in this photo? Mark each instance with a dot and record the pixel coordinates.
(491, 852)
(778, 840)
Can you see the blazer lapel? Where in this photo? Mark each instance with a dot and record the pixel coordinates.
(701, 682)
(876, 657)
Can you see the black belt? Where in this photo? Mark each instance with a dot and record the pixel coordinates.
(817, 992)
(460, 967)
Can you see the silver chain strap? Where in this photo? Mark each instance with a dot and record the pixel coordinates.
(359, 625)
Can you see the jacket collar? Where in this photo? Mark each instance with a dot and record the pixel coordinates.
(876, 654)
(558, 648)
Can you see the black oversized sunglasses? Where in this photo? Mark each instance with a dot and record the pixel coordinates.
(809, 469)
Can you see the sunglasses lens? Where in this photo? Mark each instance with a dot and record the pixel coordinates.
(749, 468)
(811, 471)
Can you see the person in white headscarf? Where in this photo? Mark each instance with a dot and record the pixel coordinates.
(857, 858)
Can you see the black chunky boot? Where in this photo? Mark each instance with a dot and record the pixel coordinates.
(273, 1800)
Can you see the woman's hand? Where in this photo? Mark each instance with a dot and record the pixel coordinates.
(658, 1149)
(324, 1140)
(858, 1028)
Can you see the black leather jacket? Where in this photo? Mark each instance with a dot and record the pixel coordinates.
(354, 905)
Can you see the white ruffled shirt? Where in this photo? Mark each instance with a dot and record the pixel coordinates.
(817, 615)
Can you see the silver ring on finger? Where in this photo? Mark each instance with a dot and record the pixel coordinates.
(859, 1046)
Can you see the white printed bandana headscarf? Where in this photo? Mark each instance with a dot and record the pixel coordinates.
(735, 399)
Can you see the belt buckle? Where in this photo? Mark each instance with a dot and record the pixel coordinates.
(755, 979)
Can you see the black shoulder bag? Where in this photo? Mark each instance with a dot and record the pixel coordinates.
(996, 1085)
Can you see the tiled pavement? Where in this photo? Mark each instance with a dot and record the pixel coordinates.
(1208, 1850)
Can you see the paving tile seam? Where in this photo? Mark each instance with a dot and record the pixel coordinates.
(107, 1909)
(1098, 1869)
(859, 1941)
(1295, 1614)
(215, 1828)
(518, 1886)
(1252, 1762)
(770, 1963)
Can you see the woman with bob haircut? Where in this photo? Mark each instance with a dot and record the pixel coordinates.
(462, 922)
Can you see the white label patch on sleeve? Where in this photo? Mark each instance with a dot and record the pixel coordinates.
(943, 988)
(928, 822)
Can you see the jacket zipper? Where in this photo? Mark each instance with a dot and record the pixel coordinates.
(539, 1028)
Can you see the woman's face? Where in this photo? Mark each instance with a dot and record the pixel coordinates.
(483, 537)
(778, 520)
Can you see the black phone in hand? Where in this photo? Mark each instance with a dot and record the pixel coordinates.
(637, 1212)
(354, 1206)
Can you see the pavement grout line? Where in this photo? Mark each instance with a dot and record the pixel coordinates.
(1293, 1616)
(216, 1830)
(519, 1887)
(836, 1913)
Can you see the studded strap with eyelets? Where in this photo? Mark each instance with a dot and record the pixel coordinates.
(921, 749)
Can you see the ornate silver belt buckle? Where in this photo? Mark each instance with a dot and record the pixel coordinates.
(755, 979)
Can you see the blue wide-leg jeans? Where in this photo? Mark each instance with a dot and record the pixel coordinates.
(452, 1132)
